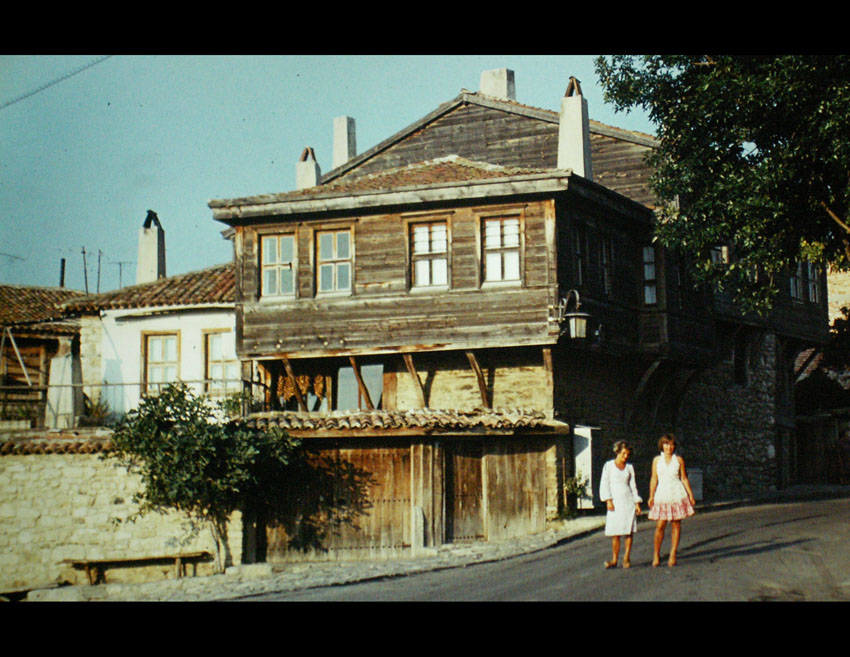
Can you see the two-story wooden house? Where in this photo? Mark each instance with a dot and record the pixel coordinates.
(410, 317)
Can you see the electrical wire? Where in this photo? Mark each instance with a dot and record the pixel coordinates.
(52, 82)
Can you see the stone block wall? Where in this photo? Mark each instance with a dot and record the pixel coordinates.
(56, 506)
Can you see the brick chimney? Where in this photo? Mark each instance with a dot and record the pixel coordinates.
(307, 171)
(345, 140)
(498, 83)
(574, 132)
(150, 264)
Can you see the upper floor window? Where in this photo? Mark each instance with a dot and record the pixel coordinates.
(501, 249)
(161, 361)
(606, 257)
(814, 282)
(278, 265)
(580, 254)
(795, 282)
(649, 280)
(429, 254)
(334, 261)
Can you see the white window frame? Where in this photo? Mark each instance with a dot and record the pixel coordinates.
(340, 260)
(429, 254)
(277, 265)
(228, 381)
(501, 250)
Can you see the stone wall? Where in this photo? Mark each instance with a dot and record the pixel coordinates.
(59, 503)
(729, 428)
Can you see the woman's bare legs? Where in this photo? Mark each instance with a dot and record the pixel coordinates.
(675, 533)
(615, 552)
(659, 538)
(627, 553)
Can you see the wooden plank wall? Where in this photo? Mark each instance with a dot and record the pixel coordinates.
(382, 312)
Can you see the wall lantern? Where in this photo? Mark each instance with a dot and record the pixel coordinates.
(576, 321)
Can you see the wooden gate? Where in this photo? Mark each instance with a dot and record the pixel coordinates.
(464, 491)
(350, 503)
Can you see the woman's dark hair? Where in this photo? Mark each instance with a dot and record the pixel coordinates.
(666, 438)
(622, 444)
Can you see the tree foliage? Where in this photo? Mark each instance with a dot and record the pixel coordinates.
(754, 152)
(194, 459)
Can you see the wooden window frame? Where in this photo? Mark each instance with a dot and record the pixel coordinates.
(795, 282)
(335, 261)
(209, 383)
(431, 256)
(578, 235)
(649, 282)
(813, 282)
(606, 264)
(146, 383)
(278, 265)
(502, 249)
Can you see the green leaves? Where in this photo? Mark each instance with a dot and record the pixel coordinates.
(756, 149)
(195, 459)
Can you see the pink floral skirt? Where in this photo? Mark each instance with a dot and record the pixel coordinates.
(671, 510)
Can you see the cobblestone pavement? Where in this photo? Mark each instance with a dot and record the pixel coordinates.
(257, 579)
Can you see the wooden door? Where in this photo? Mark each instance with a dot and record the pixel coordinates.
(464, 492)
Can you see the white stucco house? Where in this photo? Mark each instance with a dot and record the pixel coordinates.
(163, 329)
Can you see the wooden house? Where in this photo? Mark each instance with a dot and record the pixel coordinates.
(409, 314)
(38, 347)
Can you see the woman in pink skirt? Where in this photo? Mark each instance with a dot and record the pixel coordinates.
(670, 496)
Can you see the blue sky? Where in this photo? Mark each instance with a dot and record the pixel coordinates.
(82, 160)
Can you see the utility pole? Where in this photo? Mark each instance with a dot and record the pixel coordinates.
(99, 253)
(85, 271)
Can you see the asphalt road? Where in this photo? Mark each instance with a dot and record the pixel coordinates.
(791, 551)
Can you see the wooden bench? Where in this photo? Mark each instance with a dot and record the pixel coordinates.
(95, 568)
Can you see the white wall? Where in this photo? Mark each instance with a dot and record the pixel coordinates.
(121, 347)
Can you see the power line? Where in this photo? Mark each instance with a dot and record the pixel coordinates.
(79, 69)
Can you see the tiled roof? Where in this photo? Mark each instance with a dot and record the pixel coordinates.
(424, 419)
(69, 441)
(22, 304)
(444, 170)
(207, 286)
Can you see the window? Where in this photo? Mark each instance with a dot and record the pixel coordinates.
(221, 368)
(606, 257)
(429, 254)
(278, 265)
(649, 281)
(813, 282)
(501, 249)
(161, 360)
(580, 254)
(333, 261)
(796, 283)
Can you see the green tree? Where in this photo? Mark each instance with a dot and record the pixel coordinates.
(754, 153)
(196, 459)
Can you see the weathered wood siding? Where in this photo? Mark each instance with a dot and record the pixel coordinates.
(517, 140)
(383, 312)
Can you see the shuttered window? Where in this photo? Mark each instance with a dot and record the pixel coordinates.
(334, 261)
(278, 265)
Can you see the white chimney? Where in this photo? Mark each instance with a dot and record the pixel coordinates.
(574, 132)
(150, 265)
(307, 171)
(345, 141)
(498, 83)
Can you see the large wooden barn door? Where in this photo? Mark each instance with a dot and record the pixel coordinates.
(352, 503)
(464, 492)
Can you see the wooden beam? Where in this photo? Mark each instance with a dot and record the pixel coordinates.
(301, 404)
(420, 393)
(482, 386)
(360, 384)
(549, 372)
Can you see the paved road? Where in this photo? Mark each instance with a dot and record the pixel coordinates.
(790, 551)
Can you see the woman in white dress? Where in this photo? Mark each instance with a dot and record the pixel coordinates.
(670, 497)
(618, 490)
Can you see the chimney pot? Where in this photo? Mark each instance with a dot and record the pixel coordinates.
(345, 140)
(307, 171)
(574, 132)
(498, 83)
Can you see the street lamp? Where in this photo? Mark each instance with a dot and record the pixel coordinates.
(576, 321)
